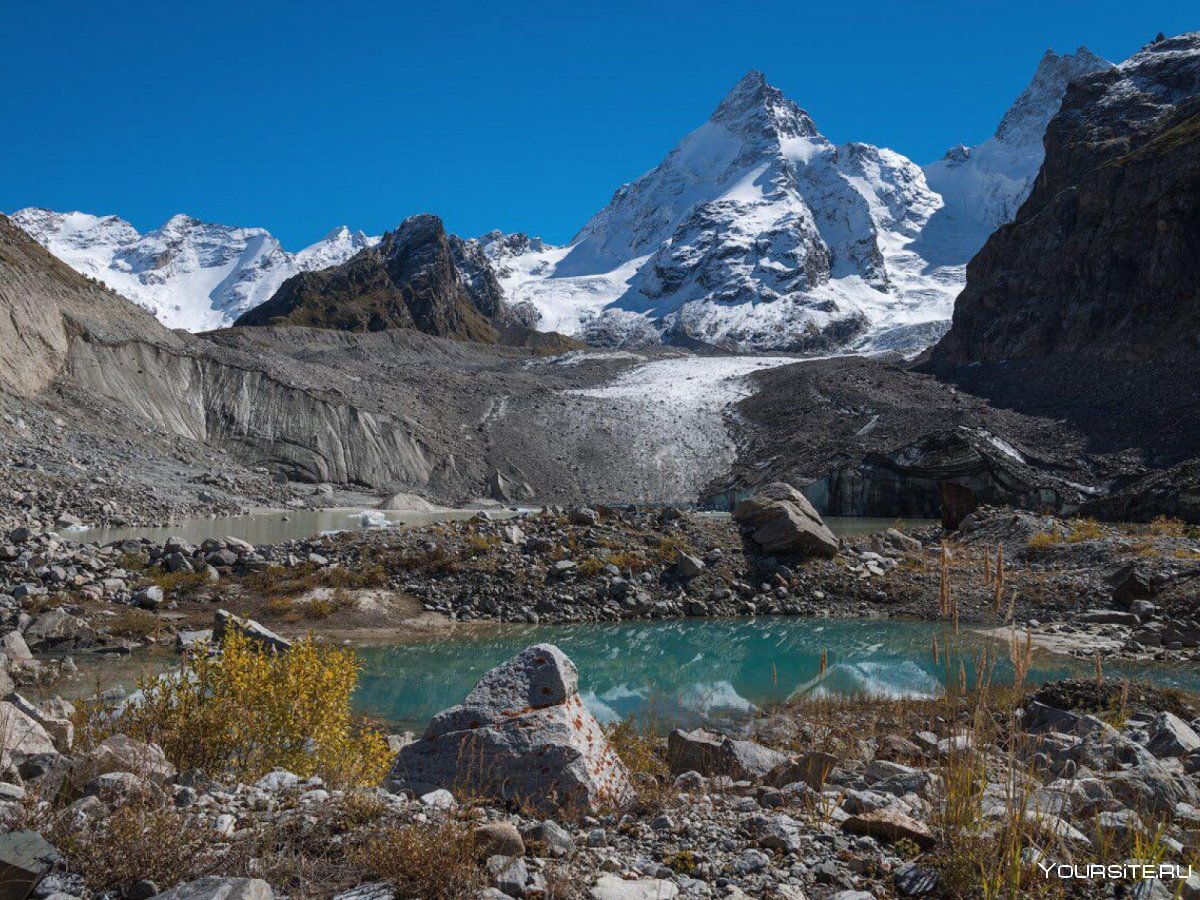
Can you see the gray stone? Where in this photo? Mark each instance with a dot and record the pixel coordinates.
(687, 565)
(582, 515)
(711, 754)
(149, 597)
(216, 888)
(21, 736)
(613, 887)
(58, 628)
(14, 647)
(522, 734)
(780, 520)
(225, 621)
(914, 880)
(121, 753)
(1171, 736)
(1109, 617)
(890, 825)
(499, 839)
(554, 837)
(509, 874)
(25, 857)
(812, 768)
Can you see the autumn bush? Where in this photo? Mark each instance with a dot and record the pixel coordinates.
(247, 711)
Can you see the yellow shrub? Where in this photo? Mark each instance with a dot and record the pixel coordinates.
(248, 711)
(626, 559)
(667, 548)
(437, 862)
(1085, 530)
(1168, 527)
(183, 583)
(480, 544)
(1043, 540)
(590, 566)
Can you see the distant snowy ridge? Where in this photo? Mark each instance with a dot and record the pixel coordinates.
(983, 187)
(191, 274)
(757, 233)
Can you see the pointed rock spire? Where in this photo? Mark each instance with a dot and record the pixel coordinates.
(754, 108)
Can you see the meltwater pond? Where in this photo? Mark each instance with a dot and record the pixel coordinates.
(691, 671)
(277, 526)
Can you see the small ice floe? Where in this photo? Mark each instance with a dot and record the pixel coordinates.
(372, 518)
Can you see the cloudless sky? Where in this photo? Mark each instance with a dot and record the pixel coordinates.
(299, 116)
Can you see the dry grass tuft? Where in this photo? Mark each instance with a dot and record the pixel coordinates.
(436, 862)
(135, 842)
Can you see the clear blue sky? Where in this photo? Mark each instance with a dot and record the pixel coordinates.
(299, 116)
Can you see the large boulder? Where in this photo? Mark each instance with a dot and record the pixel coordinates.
(712, 754)
(58, 629)
(780, 520)
(521, 735)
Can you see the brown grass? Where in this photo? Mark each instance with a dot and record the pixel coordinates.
(437, 862)
(135, 842)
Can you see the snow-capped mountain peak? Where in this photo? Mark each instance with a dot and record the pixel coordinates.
(754, 232)
(335, 248)
(755, 109)
(191, 274)
(1026, 120)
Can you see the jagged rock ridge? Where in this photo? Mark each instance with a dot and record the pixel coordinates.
(416, 277)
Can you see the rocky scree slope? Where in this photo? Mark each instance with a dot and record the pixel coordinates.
(191, 274)
(872, 437)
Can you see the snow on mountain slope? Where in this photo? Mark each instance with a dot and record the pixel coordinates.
(754, 233)
(984, 186)
(191, 274)
(757, 233)
(333, 249)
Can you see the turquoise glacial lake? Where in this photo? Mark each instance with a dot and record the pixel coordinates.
(692, 671)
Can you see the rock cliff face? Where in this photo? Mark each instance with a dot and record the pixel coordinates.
(411, 279)
(1101, 260)
(46, 306)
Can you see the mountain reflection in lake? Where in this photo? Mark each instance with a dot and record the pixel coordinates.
(691, 671)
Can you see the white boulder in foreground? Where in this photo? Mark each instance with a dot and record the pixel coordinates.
(522, 735)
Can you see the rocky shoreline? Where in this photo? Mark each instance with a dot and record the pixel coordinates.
(845, 800)
(1077, 585)
(826, 797)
